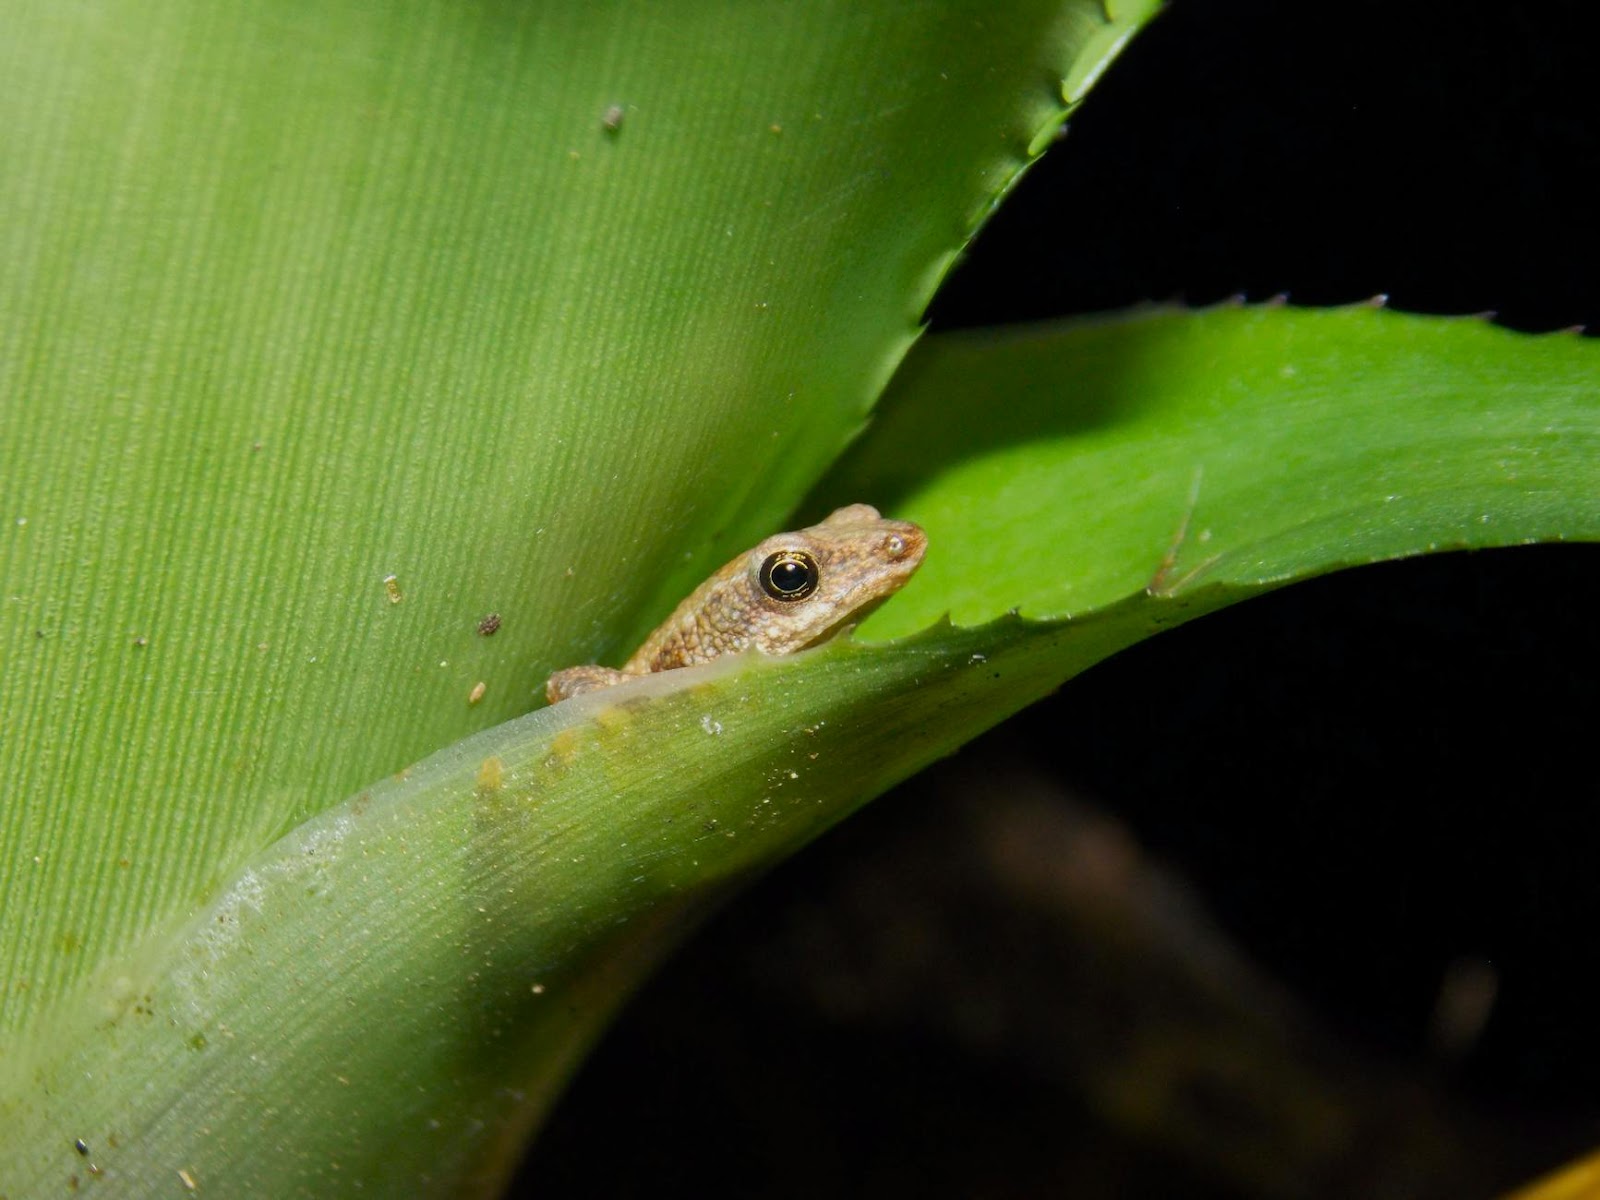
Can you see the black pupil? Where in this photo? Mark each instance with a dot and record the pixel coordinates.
(790, 577)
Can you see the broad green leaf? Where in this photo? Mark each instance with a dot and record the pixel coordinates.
(407, 977)
(327, 331)
(1060, 468)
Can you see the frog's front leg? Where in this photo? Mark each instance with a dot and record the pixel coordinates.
(574, 681)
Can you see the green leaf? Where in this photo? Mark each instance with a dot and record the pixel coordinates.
(327, 331)
(407, 978)
(393, 992)
(1062, 468)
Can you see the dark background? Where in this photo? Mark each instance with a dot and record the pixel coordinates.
(1357, 788)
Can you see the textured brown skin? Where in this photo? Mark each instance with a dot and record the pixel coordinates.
(862, 560)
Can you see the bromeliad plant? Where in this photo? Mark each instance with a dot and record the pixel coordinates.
(363, 363)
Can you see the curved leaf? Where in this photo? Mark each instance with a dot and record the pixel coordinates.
(1241, 446)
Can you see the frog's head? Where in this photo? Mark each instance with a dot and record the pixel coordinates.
(810, 583)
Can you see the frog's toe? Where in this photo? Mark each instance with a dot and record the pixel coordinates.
(574, 681)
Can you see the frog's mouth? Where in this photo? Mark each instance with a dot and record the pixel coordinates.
(848, 621)
(902, 565)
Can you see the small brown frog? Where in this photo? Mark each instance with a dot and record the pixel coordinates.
(792, 591)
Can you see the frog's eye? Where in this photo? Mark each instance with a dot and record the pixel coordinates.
(789, 575)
